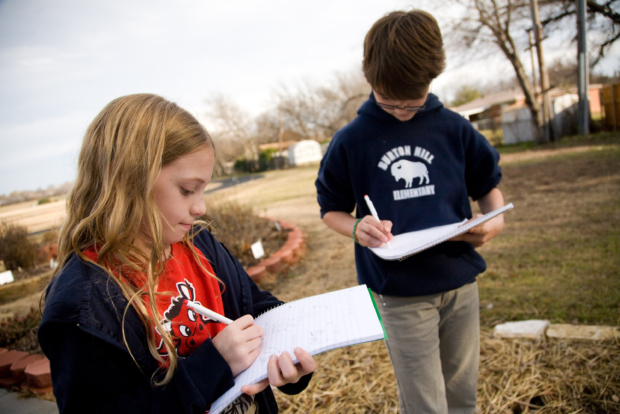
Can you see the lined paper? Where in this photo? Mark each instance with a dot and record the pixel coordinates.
(315, 324)
(408, 244)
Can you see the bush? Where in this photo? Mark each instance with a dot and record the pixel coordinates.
(237, 227)
(15, 248)
(265, 157)
(244, 165)
(44, 200)
(20, 333)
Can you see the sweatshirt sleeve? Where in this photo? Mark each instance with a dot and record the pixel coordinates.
(482, 170)
(91, 375)
(333, 185)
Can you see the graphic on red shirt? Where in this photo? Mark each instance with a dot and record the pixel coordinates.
(183, 323)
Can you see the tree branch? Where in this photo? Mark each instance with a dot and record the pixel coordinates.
(605, 10)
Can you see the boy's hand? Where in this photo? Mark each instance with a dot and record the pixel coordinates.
(372, 233)
(486, 231)
(282, 371)
(239, 343)
(482, 233)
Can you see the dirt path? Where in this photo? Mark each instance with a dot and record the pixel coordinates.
(290, 195)
(329, 262)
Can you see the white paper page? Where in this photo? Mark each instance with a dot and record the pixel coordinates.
(407, 244)
(316, 324)
(403, 243)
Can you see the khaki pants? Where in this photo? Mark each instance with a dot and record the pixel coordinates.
(434, 345)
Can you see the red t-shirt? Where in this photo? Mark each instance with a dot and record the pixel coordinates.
(183, 280)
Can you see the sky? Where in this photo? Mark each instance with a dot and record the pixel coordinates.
(62, 61)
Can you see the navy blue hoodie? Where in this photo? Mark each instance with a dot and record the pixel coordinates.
(419, 174)
(93, 370)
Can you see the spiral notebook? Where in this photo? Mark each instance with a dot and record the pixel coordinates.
(408, 244)
(317, 324)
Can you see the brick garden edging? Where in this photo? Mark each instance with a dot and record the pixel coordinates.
(32, 371)
(294, 249)
(24, 370)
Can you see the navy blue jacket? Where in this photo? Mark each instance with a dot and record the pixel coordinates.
(92, 369)
(418, 174)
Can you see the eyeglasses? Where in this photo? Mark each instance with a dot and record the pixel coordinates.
(404, 108)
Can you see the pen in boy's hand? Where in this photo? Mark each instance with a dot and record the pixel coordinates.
(209, 313)
(373, 211)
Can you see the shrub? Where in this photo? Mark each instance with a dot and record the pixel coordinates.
(242, 164)
(15, 248)
(44, 200)
(237, 227)
(265, 157)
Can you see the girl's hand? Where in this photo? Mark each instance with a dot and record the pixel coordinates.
(372, 233)
(282, 371)
(482, 233)
(239, 343)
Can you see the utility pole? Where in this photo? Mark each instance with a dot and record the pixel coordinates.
(529, 38)
(280, 134)
(544, 76)
(583, 111)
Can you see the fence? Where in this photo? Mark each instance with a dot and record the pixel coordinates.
(611, 103)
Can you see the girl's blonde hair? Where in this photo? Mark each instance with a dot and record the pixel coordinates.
(111, 204)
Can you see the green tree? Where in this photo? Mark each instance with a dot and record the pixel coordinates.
(465, 94)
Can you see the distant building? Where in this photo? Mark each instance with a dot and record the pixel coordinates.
(507, 111)
(304, 153)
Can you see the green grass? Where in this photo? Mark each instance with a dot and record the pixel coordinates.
(559, 255)
(602, 138)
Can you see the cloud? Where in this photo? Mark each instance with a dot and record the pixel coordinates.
(24, 144)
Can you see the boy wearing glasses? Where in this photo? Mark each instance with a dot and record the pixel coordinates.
(419, 163)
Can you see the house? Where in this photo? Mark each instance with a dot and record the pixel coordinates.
(486, 112)
(507, 111)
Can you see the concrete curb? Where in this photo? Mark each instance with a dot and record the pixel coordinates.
(540, 329)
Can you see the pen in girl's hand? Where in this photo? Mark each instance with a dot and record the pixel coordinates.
(209, 313)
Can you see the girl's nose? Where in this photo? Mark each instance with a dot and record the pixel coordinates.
(198, 208)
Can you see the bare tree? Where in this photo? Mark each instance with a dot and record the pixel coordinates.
(233, 131)
(603, 22)
(317, 112)
(504, 24)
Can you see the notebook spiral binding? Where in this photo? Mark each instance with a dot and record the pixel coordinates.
(460, 230)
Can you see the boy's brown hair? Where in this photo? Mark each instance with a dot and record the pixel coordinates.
(403, 53)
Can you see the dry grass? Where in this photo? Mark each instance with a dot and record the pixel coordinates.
(356, 379)
(516, 376)
(555, 376)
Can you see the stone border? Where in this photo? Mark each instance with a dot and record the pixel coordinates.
(25, 370)
(537, 329)
(294, 249)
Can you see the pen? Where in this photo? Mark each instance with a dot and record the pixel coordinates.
(209, 313)
(374, 212)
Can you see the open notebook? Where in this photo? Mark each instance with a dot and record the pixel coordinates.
(408, 244)
(316, 324)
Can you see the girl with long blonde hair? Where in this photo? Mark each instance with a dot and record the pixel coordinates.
(116, 324)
